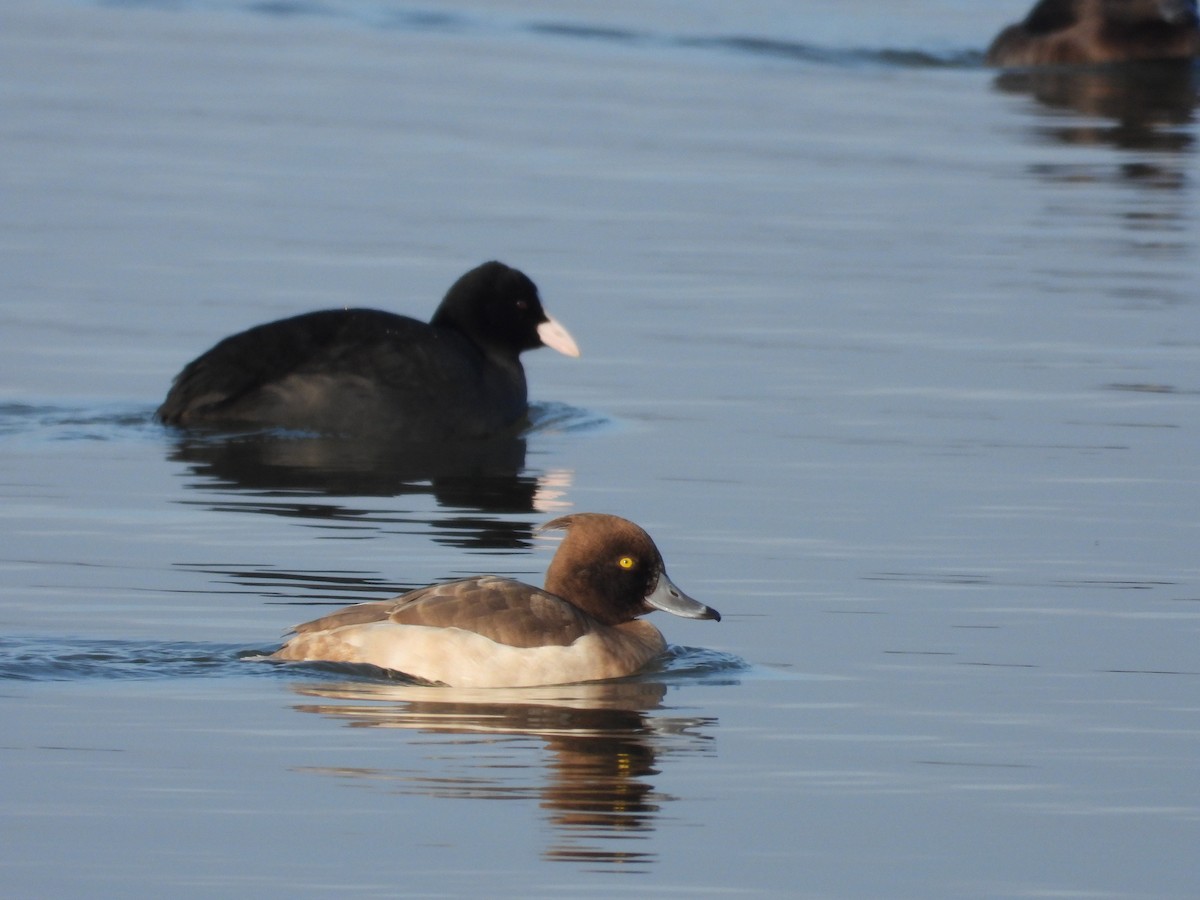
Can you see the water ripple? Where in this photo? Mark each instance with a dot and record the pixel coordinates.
(697, 665)
(101, 422)
(383, 17)
(65, 659)
(77, 659)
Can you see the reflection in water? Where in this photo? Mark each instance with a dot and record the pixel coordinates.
(1142, 112)
(1142, 106)
(288, 587)
(287, 462)
(603, 750)
(288, 474)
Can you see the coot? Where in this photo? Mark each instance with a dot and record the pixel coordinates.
(352, 371)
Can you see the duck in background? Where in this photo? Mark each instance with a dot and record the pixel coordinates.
(365, 371)
(489, 631)
(1071, 32)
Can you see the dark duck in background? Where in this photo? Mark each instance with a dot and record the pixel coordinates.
(1074, 32)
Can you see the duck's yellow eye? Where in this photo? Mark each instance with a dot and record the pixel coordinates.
(625, 562)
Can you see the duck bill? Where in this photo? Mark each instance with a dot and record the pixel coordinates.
(668, 598)
(554, 336)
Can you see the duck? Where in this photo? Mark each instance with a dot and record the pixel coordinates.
(490, 631)
(367, 371)
(1072, 32)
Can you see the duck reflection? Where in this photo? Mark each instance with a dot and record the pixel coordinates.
(1143, 113)
(471, 483)
(603, 748)
(1132, 106)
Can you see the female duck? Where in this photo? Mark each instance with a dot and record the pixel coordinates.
(1065, 32)
(489, 631)
(363, 371)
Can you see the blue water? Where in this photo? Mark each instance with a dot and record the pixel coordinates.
(894, 356)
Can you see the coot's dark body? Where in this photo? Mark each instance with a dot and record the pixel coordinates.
(369, 371)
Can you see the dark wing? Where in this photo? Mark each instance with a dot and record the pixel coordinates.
(501, 609)
(326, 341)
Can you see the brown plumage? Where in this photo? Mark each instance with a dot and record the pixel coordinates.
(1072, 32)
(489, 631)
(489, 605)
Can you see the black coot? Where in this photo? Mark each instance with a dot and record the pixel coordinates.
(364, 371)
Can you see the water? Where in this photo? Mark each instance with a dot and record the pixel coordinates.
(896, 359)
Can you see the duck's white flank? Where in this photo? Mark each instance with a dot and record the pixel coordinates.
(460, 658)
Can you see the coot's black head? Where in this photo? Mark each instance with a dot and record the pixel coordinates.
(498, 308)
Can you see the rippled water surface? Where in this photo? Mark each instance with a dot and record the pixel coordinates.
(898, 360)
